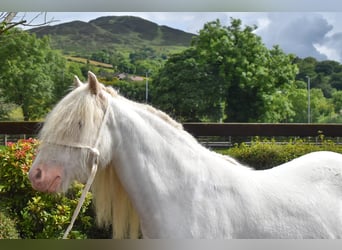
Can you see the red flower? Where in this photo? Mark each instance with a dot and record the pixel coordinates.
(19, 154)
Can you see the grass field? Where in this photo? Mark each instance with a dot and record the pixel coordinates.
(92, 62)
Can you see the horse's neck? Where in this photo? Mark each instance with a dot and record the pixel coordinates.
(149, 147)
(159, 165)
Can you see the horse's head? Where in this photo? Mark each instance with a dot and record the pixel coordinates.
(69, 135)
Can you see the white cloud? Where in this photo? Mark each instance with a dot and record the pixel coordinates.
(263, 23)
(330, 53)
(297, 33)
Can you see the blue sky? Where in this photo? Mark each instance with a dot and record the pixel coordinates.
(317, 34)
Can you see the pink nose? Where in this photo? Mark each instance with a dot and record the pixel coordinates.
(45, 179)
(35, 175)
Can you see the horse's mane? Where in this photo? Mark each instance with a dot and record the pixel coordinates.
(112, 204)
(149, 108)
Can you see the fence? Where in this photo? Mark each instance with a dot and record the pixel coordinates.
(227, 134)
(12, 131)
(210, 134)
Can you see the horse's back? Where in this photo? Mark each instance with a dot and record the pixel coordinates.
(322, 168)
(308, 192)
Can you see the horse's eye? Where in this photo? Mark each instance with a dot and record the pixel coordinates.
(80, 124)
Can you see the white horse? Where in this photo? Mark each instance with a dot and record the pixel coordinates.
(155, 177)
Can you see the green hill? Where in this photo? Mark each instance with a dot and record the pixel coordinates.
(125, 33)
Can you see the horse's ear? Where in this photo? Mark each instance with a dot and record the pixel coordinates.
(94, 84)
(77, 82)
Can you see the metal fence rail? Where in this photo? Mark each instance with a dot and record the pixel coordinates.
(263, 129)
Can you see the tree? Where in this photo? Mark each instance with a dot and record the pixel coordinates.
(299, 101)
(101, 56)
(5, 108)
(62, 75)
(7, 23)
(321, 108)
(28, 72)
(337, 101)
(248, 72)
(242, 78)
(184, 89)
(132, 90)
(280, 84)
(336, 80)
(307, 67)
(325, 75)
(10, 20)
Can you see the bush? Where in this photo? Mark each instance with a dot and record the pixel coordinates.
(268, 153)
(39, 215)
(15, 161)
(8, 228)
(47, 216)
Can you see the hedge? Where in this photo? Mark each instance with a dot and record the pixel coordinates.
(265, 154)
(8, 228)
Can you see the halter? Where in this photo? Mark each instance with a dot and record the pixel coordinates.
(90, 180)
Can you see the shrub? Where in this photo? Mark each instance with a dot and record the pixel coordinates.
(268, 153)
(47, 216)
(7, 226)
(38, 215)
(15, 161)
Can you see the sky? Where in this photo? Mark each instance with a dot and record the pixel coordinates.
(316, 34)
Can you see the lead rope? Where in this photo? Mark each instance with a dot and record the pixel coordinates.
(83, 196)
(90, 180)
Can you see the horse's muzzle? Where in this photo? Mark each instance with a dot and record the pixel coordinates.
(46, 178)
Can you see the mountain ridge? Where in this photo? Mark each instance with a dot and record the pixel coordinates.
(112, 32)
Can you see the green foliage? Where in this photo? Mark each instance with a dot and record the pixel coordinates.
(322, 109)
(145, 59)
(249, 74)
(184, 89)
(320, 106)
(306, 67)
(7, 226)
(5, 108)
(227, 73)
(47, 216)
(264, 154)
(101, 56)
(135, 91)
(38, 215)
(325, 75)
(15, 161)
(29, 70)
(337, 101)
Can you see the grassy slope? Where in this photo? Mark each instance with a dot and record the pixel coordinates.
(92, 62)
(124, 34)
